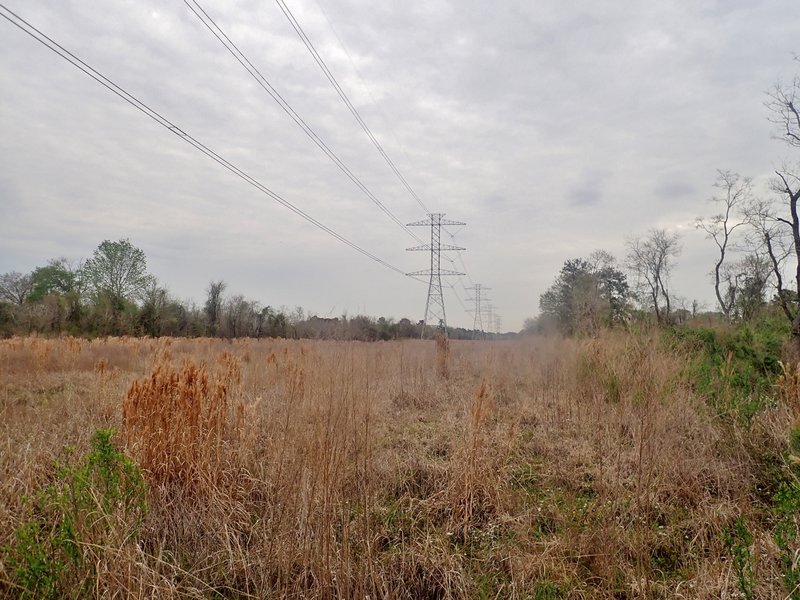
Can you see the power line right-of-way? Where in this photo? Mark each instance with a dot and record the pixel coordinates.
(434, 293)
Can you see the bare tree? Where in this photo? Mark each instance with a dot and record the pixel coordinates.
(15, 287)
(650, 260)
(736, 191)
(771, 238)
(787, 184)
(785, 113)
(213, 305)
(237, 312)
(784, 110)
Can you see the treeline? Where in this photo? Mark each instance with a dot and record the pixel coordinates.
(599, 291)
(755, 237)
(112, 293)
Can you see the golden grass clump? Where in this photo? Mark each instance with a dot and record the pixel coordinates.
(175, 421)
(443, 356)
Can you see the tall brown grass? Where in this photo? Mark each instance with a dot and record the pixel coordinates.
(175, 422)
(443, 355)
(543, 468)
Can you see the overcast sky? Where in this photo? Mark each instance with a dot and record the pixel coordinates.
(552, 128)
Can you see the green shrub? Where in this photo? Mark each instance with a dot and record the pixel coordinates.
(97, 504)
(734, 367)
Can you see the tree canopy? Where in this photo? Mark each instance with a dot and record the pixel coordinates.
(118, 272)
(586, 294)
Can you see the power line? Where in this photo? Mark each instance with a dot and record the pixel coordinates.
(262, 81)
(461, 259)
(498, 324)
(460, 276)
(352, 62)
(458, 297)
(321, 63)
(354, 111)
(58, 49)
(491, 325)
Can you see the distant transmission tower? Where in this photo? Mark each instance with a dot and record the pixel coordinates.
(498, 324)
(490, 325)
(434, 306)
(478, 297)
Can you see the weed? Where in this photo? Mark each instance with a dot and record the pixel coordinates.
(548, 591)
(542, 468)
(787, 535)
(738, 540)
(736, 367)
(525, 477)
(490, 585)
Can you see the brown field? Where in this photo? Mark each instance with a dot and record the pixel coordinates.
(544, 468)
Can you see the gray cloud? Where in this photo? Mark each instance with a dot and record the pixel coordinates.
(673, 189)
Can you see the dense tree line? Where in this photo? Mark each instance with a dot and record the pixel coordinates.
(112, 293)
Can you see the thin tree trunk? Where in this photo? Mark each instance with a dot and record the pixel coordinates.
(776, 270)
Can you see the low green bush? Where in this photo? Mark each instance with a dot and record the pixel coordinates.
(91, 507)
(735, 367)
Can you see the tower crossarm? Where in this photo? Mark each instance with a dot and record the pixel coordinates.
(431, 272)
(434, 219)
(428, 247)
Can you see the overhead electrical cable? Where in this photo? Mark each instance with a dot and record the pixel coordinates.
(262, 81)
(464, 268)
(461, 283)
(458, 297)
(364, 85)
(321, 63)
(463, 265)
(58, 49)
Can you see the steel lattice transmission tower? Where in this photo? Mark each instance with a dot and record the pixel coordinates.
(498, 324)
(434, 306)
(478, 298)
(490, 323)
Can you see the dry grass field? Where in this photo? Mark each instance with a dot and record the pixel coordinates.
(540, 469)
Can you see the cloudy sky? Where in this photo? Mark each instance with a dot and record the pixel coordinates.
(551, 128)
